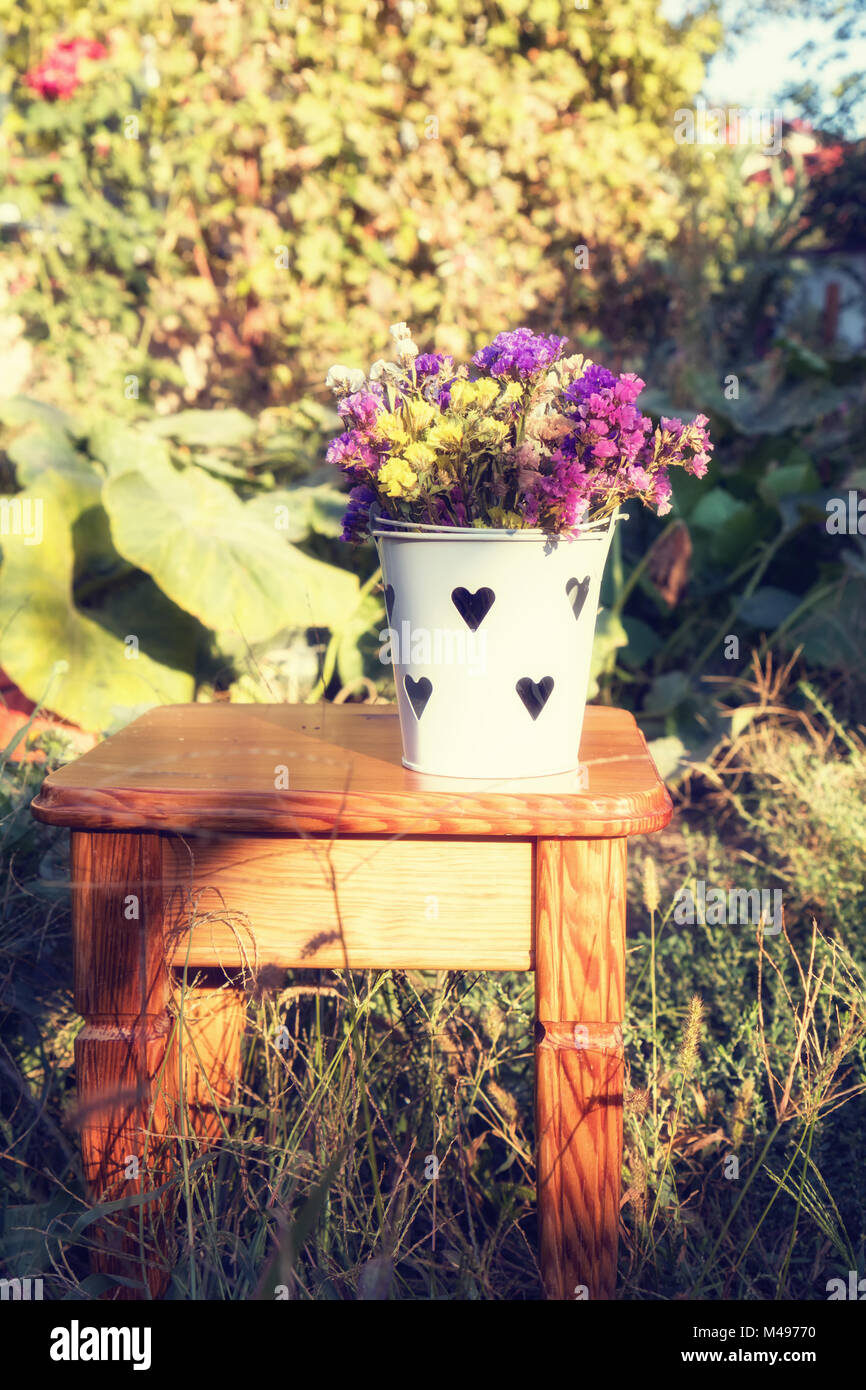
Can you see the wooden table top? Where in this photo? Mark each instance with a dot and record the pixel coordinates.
(217, 767)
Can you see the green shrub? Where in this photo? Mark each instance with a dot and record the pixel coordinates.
(237, 196)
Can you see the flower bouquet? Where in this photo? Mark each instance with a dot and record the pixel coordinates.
(492, 494)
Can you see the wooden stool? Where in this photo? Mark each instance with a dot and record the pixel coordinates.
(295, 832)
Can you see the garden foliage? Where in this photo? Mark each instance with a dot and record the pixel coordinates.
(235, 196)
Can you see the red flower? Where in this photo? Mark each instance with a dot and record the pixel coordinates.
(57, 74)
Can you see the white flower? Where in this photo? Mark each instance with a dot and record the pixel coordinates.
(399, 330)
(407, 351)
(342, 379)
(336, 378)
(377, 371)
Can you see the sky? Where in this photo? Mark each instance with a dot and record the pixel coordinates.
(762, 64)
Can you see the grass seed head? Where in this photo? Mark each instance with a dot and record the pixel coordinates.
(691, 1035)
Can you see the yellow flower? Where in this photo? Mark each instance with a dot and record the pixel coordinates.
(396, 478)
(513, 392)
(491, 432)
(461, 396)
(390, 425)
(447, 435)
(486, 391)
(500, 517)
(419, 455)
(418, 415)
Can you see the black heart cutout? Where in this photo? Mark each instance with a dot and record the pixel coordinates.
(535, 695)
(419, 693)
(389, 603)
(577, 592)
(473, 608)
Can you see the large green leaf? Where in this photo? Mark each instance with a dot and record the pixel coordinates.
(730, 524)
(22, 410)
(218, 558)
(296, 511)
(359, 642)
(767, 608)
(40, 624)
(42, 446)
(796, 476)
(211, 428)
(120, 447)
(667, 692)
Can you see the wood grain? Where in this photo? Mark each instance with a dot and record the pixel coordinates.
(119, 965)
(124, 1054)
(368, 904)
(189, 768)
(579, 978)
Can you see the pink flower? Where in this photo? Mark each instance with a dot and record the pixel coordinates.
(661, 493)
(606, 449)
(57, 74)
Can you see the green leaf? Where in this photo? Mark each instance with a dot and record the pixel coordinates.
(767, 607)
(669, 755)
(296, 511)
(833, 631)
(731, 524)
(667, 691)
(216, 557)
(715, 508)
(209, 428)
(288, 510)
(356, 657)
(788, 481)
(40, 447)
(642, 643)
(40, 625)
(687, 491)
(122, 447)
(610, 635)
(23, 410)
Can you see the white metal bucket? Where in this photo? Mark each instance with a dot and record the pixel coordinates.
(490, 636)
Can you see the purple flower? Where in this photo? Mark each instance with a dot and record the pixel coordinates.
(357, 515)
(520, 353)
(351, 452)
(594, 379)
(433, 363)
(443, 396)
(360, 409)
(458, 506)
(557, 499)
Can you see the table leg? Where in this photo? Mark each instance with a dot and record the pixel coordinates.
(124, 1062)
(580, 995)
